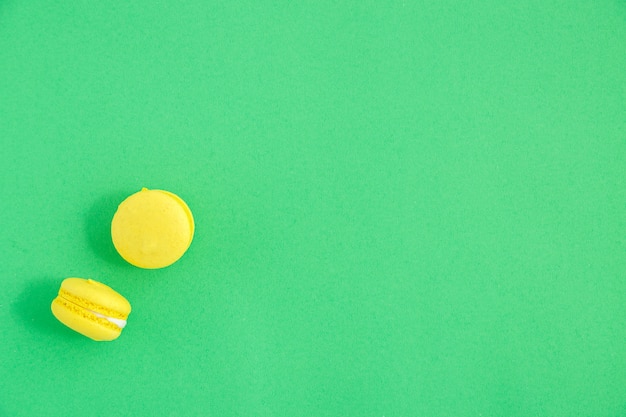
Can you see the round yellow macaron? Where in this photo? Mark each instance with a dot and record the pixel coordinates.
(152, 228)
(91, 308)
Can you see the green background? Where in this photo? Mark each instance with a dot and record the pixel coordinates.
(403, 208)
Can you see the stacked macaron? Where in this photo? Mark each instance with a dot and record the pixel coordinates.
(91, 308)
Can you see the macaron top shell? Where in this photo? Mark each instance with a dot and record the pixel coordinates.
(95, 296)
(152, 228)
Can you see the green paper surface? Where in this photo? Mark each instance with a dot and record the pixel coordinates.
(402, 208)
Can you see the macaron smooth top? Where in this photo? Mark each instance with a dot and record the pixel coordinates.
(152, 228)
(91, 308)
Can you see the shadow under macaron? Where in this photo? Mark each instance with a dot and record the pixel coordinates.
(98, 226)
(32, 307)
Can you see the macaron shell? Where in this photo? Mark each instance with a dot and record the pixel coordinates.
(95, 296)
(84, 322)
(152, 228)
(185, 209)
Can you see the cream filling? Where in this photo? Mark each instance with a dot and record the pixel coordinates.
(121, 323)
(118, 322)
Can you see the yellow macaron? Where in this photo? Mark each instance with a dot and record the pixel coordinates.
(152, 228)
(91, 308)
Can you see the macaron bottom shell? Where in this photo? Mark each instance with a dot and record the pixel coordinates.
(84, 321)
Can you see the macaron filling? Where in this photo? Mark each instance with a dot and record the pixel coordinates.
(118, 322)
(121, 323)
